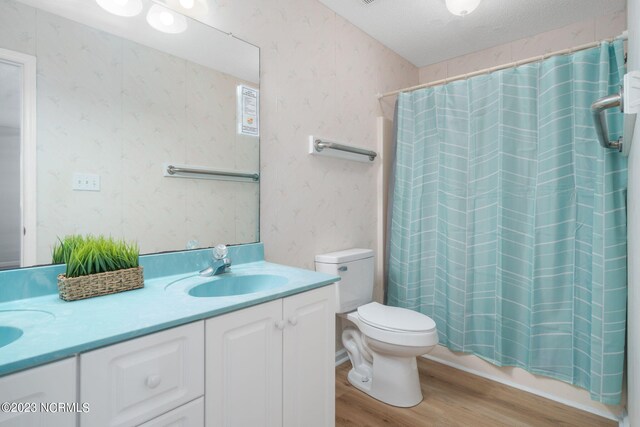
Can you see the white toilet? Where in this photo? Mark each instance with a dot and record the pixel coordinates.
(384, 348)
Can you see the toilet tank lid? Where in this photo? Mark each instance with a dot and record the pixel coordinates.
(344, 256)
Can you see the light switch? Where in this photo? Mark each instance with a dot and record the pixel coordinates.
(86, 182)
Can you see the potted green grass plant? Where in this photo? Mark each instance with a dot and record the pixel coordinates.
(96, 266)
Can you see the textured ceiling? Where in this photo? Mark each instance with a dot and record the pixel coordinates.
(424, 32)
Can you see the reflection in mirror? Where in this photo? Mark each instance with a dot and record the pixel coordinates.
(10, 122)
(117, 102)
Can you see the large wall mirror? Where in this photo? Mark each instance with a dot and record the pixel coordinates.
(95, 107)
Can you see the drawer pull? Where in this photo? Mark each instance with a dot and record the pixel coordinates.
(280, 324)
(153, 381)
(293, 320)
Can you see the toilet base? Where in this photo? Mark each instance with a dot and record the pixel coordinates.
(395, 381)
(385, 372)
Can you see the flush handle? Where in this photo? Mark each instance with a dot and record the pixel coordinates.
(343, 268)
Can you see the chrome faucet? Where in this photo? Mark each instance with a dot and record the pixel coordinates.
(221, 263)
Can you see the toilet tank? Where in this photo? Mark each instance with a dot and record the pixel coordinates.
(355, 268)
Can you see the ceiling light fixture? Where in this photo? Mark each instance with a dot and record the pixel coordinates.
(165, 20)
(192, 8)
(126, 8)
(462, 7)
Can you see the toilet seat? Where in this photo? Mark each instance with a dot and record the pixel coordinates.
(395, 319)
(385, 333)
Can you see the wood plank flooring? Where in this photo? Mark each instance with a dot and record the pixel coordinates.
(456, 398)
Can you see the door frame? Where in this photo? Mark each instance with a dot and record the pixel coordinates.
(27, 64)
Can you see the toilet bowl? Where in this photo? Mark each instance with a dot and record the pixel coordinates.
(383, 352)
(384, 342)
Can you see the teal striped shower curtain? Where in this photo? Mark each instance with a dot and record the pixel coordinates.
(508, 220)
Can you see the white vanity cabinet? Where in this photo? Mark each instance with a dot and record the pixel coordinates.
(267, 365)
(132, 382)
(49, 384)
(273, 364)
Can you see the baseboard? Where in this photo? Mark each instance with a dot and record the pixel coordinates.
(341, 357)
(624, 420)
(525, 388)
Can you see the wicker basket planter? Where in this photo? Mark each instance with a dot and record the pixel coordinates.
(93, 285)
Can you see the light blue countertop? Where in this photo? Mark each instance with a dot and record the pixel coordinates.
(55, 329)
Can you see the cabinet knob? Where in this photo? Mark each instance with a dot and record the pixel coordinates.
(280, 324)
(293, 320)
(153, 381)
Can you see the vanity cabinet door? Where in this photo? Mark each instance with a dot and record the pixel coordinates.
(132, 382)
(309, 358)
(52, 383)
(244, 367)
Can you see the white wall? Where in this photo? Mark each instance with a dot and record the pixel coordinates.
(633, 232)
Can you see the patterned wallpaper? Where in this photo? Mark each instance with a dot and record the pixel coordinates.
(118, 109)
(319, 76)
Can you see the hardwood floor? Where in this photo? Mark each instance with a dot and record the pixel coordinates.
(456, 398)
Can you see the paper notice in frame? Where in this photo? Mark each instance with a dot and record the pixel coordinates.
(248, 111)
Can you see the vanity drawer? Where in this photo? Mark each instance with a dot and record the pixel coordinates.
(132, 382)
(48, 384)
(189, 415)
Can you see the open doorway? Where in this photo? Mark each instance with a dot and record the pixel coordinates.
(10, 123)
(17, 159)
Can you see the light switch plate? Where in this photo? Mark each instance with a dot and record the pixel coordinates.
(86, 182)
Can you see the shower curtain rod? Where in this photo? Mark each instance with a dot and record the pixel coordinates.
(622, 36)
